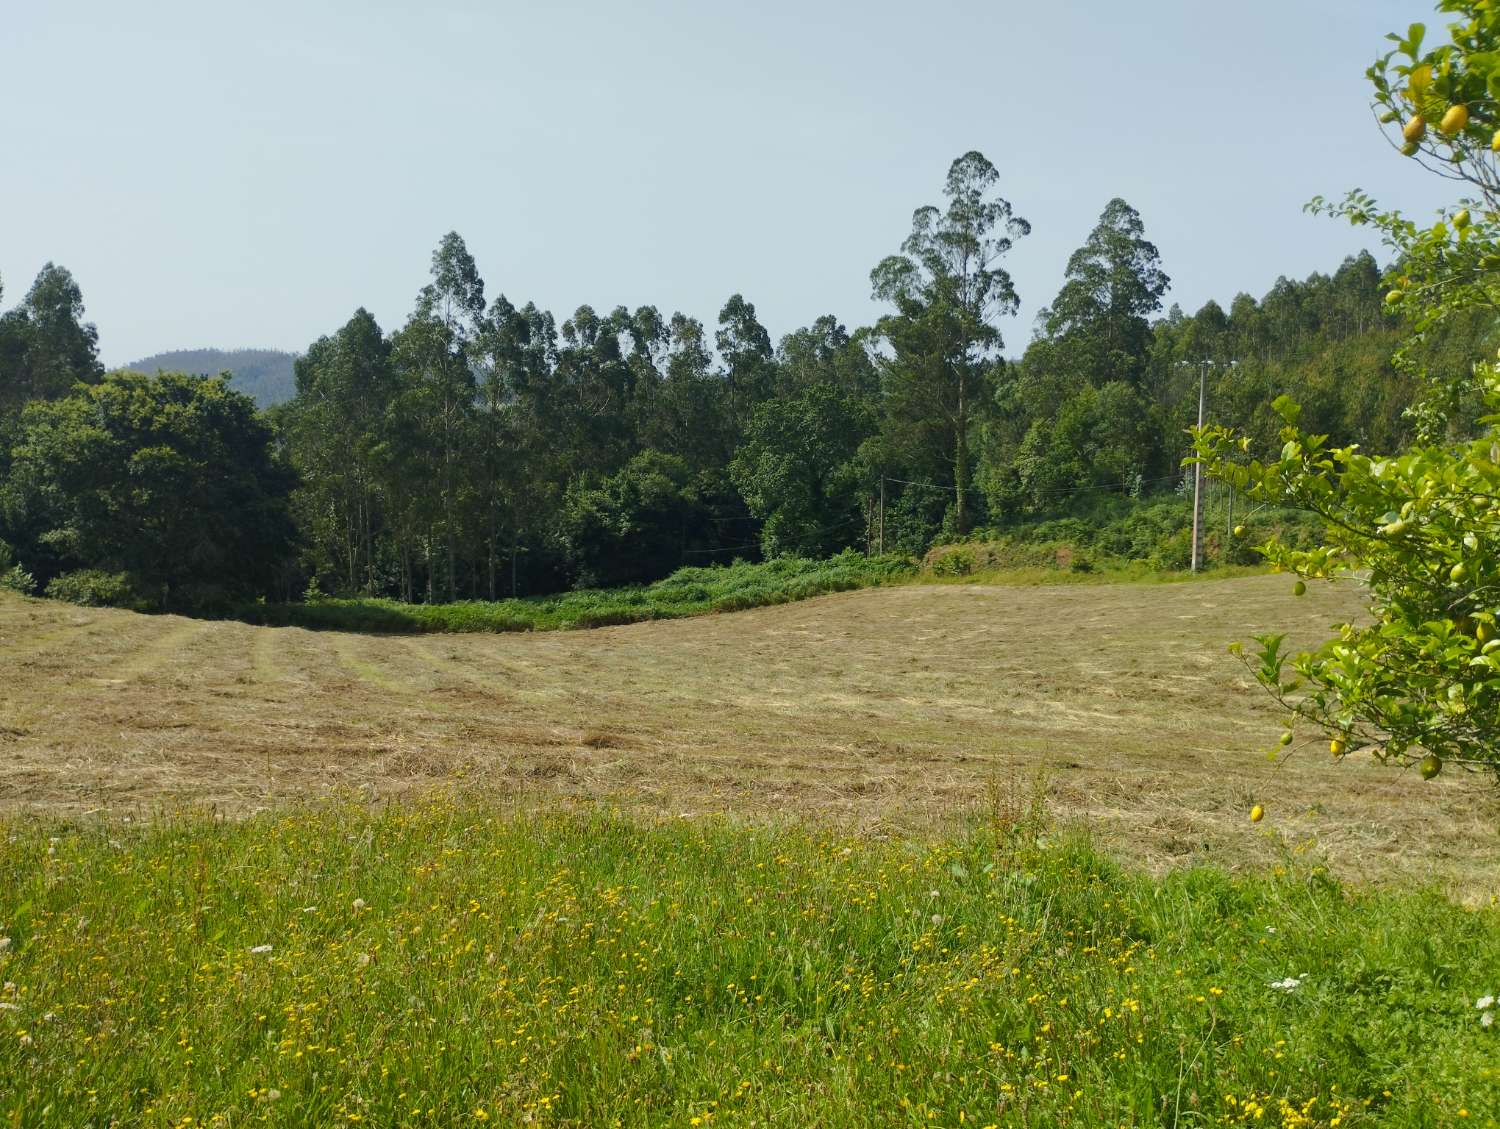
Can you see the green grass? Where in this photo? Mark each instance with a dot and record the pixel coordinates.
(687, 592)
(444, 964)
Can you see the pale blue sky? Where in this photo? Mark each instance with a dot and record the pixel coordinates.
(249, 174)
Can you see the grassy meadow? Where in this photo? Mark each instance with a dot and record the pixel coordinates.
(442, 963)
(778, 868)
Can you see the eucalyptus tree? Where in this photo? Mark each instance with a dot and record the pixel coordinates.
(949, 292)
(1099, 323)
(333, 426)
(435, 356)
(45, 345)
(749, 363)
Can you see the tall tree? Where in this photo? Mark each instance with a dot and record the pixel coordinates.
(333, 426)
(45, 346)
(950, 292)
(749, 367)
(1100, 320)
(170, 479)
(434, 352)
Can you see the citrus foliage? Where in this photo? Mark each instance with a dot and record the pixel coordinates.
(1423, 678)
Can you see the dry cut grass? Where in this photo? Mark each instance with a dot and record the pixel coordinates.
(886, 709)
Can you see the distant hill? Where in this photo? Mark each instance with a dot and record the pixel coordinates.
(263, 374)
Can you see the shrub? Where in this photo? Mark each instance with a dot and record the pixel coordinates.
(94, 588)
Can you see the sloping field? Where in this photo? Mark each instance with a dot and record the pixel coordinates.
(893, 707)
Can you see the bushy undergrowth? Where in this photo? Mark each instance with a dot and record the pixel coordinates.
(1123, 538)
(688, 591)
(440, 965)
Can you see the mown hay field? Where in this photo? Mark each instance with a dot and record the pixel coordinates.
(880, 711)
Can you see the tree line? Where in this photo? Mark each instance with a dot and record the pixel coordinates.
(484, 449)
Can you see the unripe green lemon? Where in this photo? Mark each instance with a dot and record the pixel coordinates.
(1431, 765)
(1394, 296)
(1410, 149)
(1299, 589)
(1458, 572)
(1285, 738)
(1239, 531)
(1461, 218)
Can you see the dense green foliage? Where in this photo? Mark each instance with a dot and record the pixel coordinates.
(1115, 533)
(442, 965)
(484, 449)
(1421, 678)
(688, 591)
(45, 346)
(265, 375)
(168, 482)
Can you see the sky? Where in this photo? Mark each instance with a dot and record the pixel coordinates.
(220, 175)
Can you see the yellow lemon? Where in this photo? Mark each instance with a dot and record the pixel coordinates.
(1455, 120)
(1415, 129)
(1257, 813)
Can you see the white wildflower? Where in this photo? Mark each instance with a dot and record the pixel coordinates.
(1484, 1002)
(1487, 1019)
(6, 1005)
(309, 909)
(937, 919)
(260, 948)
(4, 944)
(359, 904)
(1290, 984)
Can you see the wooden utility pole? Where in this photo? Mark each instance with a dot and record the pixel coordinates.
(880, 536)
(1198, 470)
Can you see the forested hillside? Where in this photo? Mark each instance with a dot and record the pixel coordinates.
(486, 447)
(265, 375)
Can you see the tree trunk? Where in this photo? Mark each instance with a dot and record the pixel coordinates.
(961, 462)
